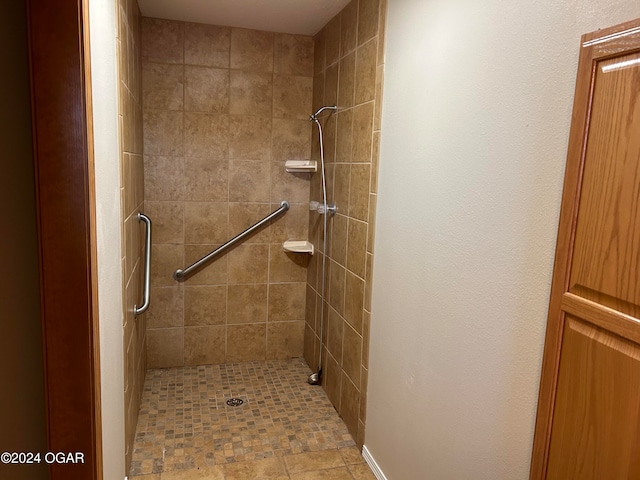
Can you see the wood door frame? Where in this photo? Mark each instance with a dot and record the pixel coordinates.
(65, 204)
(594, 46)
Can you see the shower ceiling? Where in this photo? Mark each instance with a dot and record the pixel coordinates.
(304, 17)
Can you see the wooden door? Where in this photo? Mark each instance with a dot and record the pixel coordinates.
(66, 219)
(588, 424)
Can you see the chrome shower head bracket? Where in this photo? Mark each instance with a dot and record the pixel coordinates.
(314, 116)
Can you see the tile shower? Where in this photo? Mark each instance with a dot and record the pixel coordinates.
(221, 109)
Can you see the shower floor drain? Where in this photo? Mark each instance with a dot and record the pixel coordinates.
(235, 402)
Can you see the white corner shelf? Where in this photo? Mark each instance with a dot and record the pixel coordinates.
(301, 166)
(298, 246)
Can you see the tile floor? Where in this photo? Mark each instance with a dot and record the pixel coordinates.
(285, 428)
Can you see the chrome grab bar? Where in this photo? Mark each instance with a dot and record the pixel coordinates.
(180, 275)
(147, 266)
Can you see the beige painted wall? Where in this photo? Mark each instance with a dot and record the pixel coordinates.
(107, 171)
(476, 115)
(22, 407)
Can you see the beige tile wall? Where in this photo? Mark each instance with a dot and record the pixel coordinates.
(131, 191)
(348, 71)
(223, 109)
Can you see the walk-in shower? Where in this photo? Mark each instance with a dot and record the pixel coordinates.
(324, 209)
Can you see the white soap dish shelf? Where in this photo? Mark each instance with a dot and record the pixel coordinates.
(298, 246)
(301, 166)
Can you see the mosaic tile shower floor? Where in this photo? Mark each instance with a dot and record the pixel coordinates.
(185, 422)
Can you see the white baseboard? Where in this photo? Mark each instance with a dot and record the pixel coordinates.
(372, 464)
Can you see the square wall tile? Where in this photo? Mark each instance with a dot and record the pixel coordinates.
(162, 40)
(357, 247)
(330, 135)
(293, 55)
(332, 382)
(206, 135)
(248, 181)
(335, 334)
(165, 347)
(344, 140)
(291, 139)
(332, 41)
(287, 301)
(252, 50)
(285, 339)
(205, 305)
(163, 178)
(212, 273)
(336, 281)
(359, 191)
(346, 80)
(342, 177)
(350, 405)
(248, 263)
(163, 86)
(339, 236)
(331, 85)
(206, 222)
(293, 225)
(318, 92)
(244, 215)
(286, 266)
(163, 132)
(368, 12)
(348, 27)
(168, 221)
(250, 137)
(207, 45)
(206, 179)
(251, 93)
(310, 307)
(247, 304)
(204, 345)
(362, 133)
(319, 42)
(292, 96)
(292, 187)
(366, 72)
(310, 348)
(246, 342)
(165, 260)
(166, 308)
(354, 301)
(206, 89)
(352, 354)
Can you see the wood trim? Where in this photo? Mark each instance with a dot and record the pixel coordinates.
(63, 170)
(594, 46)
(602, 316)
(93, 238)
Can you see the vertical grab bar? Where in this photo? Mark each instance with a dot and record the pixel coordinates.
(147, 266)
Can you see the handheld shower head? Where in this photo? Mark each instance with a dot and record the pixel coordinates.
(314, 116)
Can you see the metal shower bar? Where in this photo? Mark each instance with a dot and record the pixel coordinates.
(180, 275)
(147, 266)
